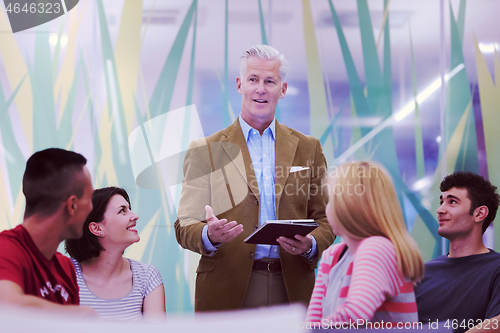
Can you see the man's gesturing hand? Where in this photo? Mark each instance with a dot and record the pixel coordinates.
(221, 231)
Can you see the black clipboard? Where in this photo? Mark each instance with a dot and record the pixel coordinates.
(272, 229)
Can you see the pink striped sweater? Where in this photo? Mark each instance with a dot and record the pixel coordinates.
(372, 290)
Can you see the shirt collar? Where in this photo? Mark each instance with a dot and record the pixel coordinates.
(246, 128)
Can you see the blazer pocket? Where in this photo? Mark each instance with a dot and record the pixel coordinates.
(206, 265)
(304, 173)
(298, 182)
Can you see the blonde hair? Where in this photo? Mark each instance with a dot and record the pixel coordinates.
(363, 200)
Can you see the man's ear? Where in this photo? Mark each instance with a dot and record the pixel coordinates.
(95, 228)
(284, 87)
(480, 213)
(238, 84)
(72, 204)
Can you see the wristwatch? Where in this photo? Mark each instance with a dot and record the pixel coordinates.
(308, 253)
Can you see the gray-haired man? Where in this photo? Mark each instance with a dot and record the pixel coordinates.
(253, 171)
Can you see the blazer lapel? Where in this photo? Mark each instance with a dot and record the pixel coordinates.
(234, 134)
(286, 146)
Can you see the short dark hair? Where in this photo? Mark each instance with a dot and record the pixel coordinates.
(480, 191)
(51, 176)
(89, 246)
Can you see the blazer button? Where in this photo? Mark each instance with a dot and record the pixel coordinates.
(256, 201)
(255, 227)
(251, 254)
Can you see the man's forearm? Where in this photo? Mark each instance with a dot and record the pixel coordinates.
(12, 293)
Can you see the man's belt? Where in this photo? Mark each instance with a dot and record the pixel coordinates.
(270, 266)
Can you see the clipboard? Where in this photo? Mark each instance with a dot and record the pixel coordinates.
(272, 229)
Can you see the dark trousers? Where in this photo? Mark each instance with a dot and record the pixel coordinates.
(265, 289)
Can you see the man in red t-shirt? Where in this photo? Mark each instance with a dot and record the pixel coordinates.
(58, 192)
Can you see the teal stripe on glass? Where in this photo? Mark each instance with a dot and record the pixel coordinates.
(428, 219)
(387, 61)
(189, 100)
(93, 122)
(330, 129)
(467, 158)
(355, 86)
(461, 20)
(419, 147)
(119, 135)
(457, 101)
(162, 94)
(373, 74)
(57, 48)
(65, 129)
(262, 24)
(15, 163)
(226, 118)
(383, 147)
(42, 85)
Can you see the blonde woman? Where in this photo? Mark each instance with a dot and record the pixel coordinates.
(367, 279)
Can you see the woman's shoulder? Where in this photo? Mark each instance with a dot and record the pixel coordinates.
(332, 254)
(334, 249)
(145, 271)
(141, 266)
(376, 246)
(377, 241)
(146, 276)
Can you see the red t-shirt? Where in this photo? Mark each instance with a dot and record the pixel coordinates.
(22, 263)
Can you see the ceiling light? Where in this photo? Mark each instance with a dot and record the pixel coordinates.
(488, 47)
(421, 184)
(53, 40)
(410, 106)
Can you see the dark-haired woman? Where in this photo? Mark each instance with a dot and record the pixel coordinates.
(116, 287)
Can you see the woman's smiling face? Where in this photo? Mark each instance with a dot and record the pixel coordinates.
(119, 224)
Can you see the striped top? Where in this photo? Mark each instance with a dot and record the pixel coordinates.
(370, 287)
(145, 279)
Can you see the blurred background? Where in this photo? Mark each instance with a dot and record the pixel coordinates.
(410, 84)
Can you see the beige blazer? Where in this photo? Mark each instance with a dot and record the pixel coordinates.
(218, 171)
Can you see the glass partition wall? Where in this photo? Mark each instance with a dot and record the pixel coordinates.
(409, 84)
